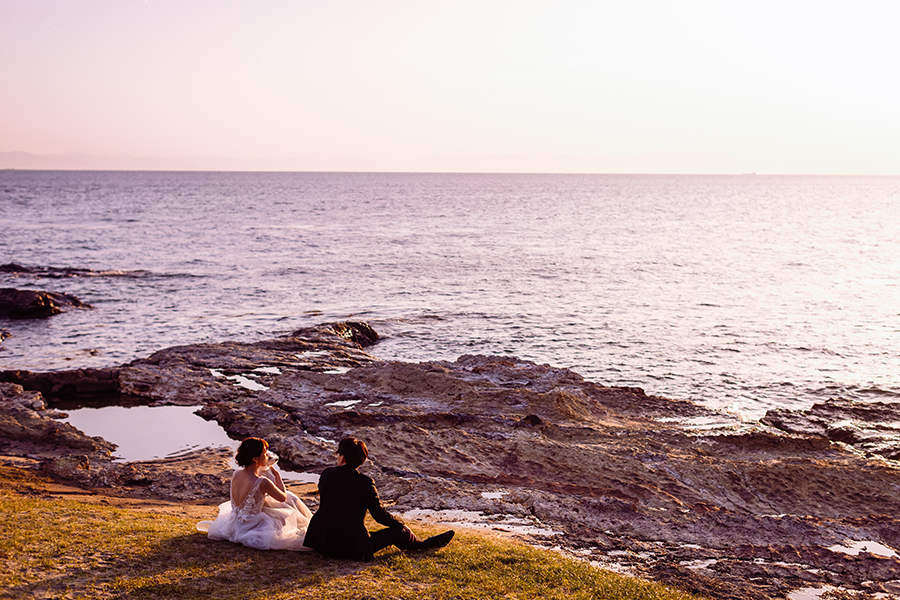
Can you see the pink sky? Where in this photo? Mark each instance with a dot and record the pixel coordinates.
(692, 87)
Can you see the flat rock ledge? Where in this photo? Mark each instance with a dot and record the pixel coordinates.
(666, 489)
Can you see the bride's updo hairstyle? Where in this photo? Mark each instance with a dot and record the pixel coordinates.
(354, 451)
(250, 449)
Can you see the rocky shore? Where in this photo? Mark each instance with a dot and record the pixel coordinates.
(666, 489)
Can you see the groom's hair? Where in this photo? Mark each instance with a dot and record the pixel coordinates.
(354, 451)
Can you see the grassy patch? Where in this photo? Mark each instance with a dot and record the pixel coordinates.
(66, 549)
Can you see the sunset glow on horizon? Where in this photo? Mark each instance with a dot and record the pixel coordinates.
(642, 87)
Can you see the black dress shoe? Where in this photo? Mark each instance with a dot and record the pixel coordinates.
(438, 541)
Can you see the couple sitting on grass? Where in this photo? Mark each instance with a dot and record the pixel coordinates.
(263, 514)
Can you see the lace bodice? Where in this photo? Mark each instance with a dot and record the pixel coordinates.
(251, 505)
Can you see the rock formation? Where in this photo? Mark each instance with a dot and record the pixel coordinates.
(31, 304)
(668, 489)
(871, 427)
(27, 427)
(64, 385)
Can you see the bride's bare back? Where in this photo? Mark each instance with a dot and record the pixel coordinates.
(241, 484)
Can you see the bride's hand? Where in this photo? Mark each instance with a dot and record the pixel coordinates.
(276, 478)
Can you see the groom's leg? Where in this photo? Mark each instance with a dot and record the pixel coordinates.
(393, 536)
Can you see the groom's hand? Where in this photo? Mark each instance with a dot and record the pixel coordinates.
(412, 536)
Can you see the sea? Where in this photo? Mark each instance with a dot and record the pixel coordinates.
(742, 292)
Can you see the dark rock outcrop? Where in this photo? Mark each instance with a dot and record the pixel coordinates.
(33, 304)
(232, 371)
(67, 385)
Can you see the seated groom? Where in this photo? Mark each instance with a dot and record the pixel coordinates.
(338, 529)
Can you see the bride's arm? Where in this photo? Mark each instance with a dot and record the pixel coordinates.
(278, 482)
(269, 488)
(274, 476)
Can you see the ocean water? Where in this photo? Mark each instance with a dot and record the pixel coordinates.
(739, 292)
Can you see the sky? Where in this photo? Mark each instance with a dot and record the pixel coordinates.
(641, 86)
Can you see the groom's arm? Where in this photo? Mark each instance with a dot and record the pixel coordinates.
(378, 512)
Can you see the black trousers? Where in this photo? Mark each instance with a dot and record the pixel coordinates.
(393, 536)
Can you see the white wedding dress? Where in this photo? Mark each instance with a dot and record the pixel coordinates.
(260, 521)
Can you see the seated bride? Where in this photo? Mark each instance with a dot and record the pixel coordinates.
(261, 513)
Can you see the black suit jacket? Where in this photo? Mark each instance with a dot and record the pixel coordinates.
(338, 527)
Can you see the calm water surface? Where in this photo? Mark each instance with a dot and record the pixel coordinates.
(740, 292)
(148, 433)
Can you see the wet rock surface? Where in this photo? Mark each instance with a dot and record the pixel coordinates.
(33, 304)
(871, 427)
(193, 476)
(27, 427)
(63, 385)
(665, 489)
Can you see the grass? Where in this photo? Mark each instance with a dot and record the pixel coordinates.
(53, 548)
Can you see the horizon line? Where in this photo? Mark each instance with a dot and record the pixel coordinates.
(363, 172)
(657, 163)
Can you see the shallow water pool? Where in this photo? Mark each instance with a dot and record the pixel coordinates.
(153, 432)
(150, 432)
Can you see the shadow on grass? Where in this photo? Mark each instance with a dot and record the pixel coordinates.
(192, 566)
